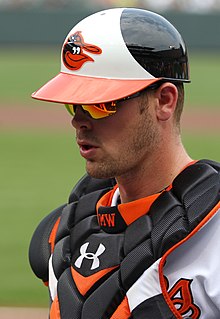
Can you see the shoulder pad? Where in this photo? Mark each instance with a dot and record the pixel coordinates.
(215, 165)
(88, 184)
(40, 249)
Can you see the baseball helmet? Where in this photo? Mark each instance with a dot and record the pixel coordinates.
(114, 53)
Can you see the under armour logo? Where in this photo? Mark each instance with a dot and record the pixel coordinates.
(92, 256)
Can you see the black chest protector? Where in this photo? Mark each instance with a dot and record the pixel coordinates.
(96, 265)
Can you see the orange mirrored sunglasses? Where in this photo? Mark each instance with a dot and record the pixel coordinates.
(101, 110)
(96, 111)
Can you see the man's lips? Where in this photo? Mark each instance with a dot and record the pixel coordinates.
(87, 149)
(85, 143)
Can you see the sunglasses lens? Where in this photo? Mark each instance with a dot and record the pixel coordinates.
(96, 111)
(70, 109)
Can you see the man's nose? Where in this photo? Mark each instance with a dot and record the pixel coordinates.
(81, 120)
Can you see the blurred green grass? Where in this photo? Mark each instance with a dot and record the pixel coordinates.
(23, 71)
(204, 74)
(39, 168)
(202, 146)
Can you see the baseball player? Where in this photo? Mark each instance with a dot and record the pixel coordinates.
(139, 236)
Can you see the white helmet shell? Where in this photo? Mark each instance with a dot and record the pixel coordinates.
(114, 60)
(114, 53)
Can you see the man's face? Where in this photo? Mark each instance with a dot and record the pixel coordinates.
(119, 144)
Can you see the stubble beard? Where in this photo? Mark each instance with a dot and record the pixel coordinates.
(131, 155)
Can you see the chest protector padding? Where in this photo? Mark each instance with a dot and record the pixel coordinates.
(70, 300)
(40, 249)
(128, 253)
(173, 215)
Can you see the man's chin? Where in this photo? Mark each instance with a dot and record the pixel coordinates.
(98, 171)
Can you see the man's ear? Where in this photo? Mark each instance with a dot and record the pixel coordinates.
(167, 95)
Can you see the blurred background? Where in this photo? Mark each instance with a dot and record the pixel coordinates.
(39, 159)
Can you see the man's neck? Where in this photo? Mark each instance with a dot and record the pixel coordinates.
(153, 176)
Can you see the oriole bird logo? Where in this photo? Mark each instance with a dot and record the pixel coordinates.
(182, 297)
(73, 51)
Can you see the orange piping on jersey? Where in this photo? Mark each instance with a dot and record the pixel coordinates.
(85, 283)
(123, 311)
(163, 259)
(133, 210)
(129, 211)
(55, 309)
(53, 234)
(46, 283)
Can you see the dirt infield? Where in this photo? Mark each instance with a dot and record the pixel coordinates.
(34, 117)
(41, 116)
(23, 313)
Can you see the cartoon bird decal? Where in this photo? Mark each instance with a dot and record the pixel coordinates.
(74, 55)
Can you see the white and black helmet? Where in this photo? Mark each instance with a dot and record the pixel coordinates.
(115, 53)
